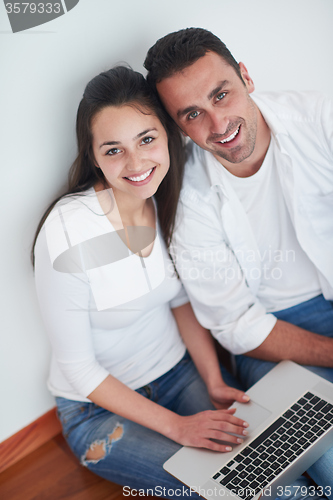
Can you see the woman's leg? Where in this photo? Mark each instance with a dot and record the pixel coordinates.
(125, 452)
(119, 450)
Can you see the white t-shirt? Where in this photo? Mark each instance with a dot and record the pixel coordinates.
(288, 277)
(106, 310)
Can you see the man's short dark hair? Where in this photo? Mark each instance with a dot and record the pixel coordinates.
(180, 49)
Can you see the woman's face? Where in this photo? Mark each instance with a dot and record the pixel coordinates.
(131, 149)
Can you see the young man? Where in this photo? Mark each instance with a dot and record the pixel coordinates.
(254, 238)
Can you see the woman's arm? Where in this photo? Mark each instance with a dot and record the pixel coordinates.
(64, 301)
(195, 430)
(200, 345)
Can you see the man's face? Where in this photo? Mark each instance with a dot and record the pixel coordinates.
(211, 104)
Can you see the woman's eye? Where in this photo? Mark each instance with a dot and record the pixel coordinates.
(193, 115)
(147, 140)
(220, 96)
(113, 151)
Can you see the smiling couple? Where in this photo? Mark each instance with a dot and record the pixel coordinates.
(258, 179)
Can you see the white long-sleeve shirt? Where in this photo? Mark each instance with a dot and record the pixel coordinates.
(106, 310)
(214, 237)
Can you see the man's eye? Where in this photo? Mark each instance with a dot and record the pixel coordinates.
(220, 96)
(113, 151)
(193, 115)
(147, 140)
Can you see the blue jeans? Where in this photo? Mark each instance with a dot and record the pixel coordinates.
(315, 315)
(134, 455)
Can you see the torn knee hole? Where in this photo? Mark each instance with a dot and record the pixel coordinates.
(116, 434)
(98, 448)
(96, 451)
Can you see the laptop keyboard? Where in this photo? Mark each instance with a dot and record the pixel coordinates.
(263, 459)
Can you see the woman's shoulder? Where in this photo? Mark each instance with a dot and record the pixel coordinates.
(71, 209)
(73, 219)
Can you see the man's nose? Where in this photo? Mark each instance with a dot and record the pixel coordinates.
(218, 123)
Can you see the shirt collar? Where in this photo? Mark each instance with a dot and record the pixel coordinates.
(275, 125)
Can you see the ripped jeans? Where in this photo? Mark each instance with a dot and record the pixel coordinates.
(132, 455)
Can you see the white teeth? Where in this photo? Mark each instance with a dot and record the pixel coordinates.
(141, 177)
(231, 137)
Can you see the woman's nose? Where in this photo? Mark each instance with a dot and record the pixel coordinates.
(135, 161)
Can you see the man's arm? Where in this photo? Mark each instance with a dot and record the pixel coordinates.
(287, 341)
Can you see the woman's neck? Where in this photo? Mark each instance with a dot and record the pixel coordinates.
(125, 215)
(137, 212)
(125, 211)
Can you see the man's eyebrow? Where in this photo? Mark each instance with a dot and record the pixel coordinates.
(183, 112)
(218, 89)
(211, 94)
(116, 143)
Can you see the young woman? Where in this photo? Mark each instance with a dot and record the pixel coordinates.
(127, 392)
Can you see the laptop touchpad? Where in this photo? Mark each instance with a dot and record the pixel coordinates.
(252, 412)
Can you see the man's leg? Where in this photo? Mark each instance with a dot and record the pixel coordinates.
(315, 315)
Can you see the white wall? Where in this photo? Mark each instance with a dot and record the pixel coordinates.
(286, 44)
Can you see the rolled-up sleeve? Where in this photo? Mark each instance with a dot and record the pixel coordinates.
(213, 279)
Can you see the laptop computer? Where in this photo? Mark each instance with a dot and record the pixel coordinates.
(290, 418)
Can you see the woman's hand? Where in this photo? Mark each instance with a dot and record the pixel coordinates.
(222, 395)
(203, 429)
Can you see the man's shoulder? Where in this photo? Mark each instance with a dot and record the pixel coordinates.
(292, 105)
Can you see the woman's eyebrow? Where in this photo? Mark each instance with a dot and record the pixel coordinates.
(144, 132)
(116, 143)
(109, 143)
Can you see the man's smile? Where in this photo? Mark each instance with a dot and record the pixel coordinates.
(231, 136)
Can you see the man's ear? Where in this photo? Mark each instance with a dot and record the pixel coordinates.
(246, 77)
